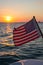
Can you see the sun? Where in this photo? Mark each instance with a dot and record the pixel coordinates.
(8, 18)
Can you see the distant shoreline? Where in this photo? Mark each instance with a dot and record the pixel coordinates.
(16, 22)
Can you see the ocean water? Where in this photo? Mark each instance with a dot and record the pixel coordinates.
(10, 53)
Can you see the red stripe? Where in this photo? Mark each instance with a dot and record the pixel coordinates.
(20, 31)
(17, 29)
(20, 40)
(25, 41)
(21, 27)
(25, 36)
(22, 34)
(28, 34)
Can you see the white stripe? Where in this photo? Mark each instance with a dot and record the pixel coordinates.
(20, 34)
(17, 35)
(27, 40)
(18, 31)
(26, 35)
(21, 39)
(21, 27)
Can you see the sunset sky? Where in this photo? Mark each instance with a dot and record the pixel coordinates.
(21, 10)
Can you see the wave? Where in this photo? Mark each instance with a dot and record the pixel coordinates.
(10, 53)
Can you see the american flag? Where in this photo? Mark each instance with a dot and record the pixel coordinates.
(26, 33)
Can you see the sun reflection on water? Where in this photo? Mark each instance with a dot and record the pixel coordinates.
(8, 28)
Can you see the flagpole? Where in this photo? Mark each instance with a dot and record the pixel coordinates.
(38, 26)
